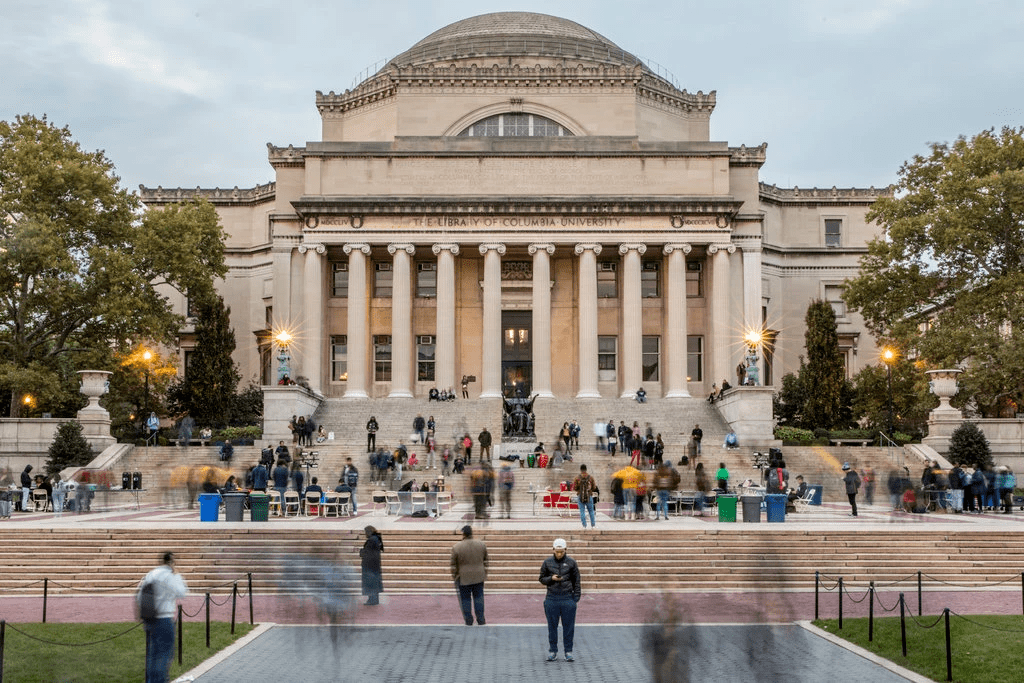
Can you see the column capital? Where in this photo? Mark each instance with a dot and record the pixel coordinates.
(496, 246)
(349, 248)
(714, 248)
(749, 245)
(580, 248)
(639, 248)
(438, 248)
(407, 248)
(318, 248)
(534, 248)
(669, 248)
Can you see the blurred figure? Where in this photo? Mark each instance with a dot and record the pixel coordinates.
(867, 476)
(369, 554)
(956, 488)
(157, 599)
(506, 481)
(585, 487)
(895, 485)
(722, 475)
(469, 571)
(60, 492)
(185, 430)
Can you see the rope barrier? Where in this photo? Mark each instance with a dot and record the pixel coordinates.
(1014, 578)
(219, 604)
(866, 594)
(991, 628)
(55, 642)
(933, 624)
(897, 581)
(895, 605)
(829, 590)
(197, 612)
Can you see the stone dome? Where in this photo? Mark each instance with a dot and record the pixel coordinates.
(514, 34)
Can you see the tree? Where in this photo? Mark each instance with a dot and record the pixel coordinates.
(968, 446)
(208, 388)
(910, 396)
(69, 449)
(824, 376)
(788, 404)
(81, 267)
(952, 256)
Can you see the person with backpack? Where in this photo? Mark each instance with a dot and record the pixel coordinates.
(371, 434)
(350, 475)
(156, 599)
(956, 486)
(585, 487)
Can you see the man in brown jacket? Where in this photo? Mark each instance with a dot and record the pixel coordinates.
(469, 571)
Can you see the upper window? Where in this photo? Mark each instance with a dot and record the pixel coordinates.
(339, 282)
(833, 232)
(607, 283)
(426, 280)
(382, 280)
(694, 279)
(649, 280)
(515, 125)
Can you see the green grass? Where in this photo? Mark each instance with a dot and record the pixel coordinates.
(986, 649)
(119, 658)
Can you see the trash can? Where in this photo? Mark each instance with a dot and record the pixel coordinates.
(776, 504)
(816, 498)
(531, 460)
(233, 504)
(209, 507)
(751, 508)
(726, 508)
(259, 507)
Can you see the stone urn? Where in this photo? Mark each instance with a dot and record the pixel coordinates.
(943, 385)
(95, 420)
(94, 385)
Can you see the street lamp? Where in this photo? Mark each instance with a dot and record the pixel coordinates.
(283, 339)
(147, 356)
(889, 357)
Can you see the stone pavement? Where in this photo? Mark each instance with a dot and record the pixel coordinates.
(517, 653)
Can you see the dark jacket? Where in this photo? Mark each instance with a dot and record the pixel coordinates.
(26, 479)
(259, 478)
(484, 439)
(418, 424)
(281, 475)
(371, 565)
(569, 586)
(852, 480)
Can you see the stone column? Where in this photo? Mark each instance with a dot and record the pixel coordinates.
(358, 313)
(401, 321)
(720, 349)
(674, 344)
(490, 366)
(282, 255)
(542, 318)
(588, 320)
(445, 348)
(632, 319)
(313, 337)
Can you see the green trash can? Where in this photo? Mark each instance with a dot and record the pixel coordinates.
(776, 507)
(233, 504)
(531, 460)
(209, 507)
(727, 508)
(259, 507)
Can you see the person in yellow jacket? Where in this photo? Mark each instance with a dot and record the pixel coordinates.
(631, 478)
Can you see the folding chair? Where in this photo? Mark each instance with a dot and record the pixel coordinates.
(275, 502)
(803, 503)
(391, 500)
(40, 501)
(379, 500)
(292, 506)
(342, 503)
(444, 499)
(419, 500)
(313, 504)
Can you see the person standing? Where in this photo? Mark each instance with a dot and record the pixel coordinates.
(698, 435)
(852, 481)
(506, 481)
(465, 386)
(484, 439)
(561, 575)
(156, 605)
(26, 487)
(585, 486)
(469, 571)
(419, 428)
(60, 492)
(867, 475)
(350, 476)
(371, 434)
(369, 555)
(153, 422)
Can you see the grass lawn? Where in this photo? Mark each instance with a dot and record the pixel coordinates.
(118, 658)
(985, 649)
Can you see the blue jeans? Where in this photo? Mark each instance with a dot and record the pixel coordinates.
(662, 503)
(159, 649)
(630, 496)
(584, 508)
(352, 501)
(563, 608)
(474, 592)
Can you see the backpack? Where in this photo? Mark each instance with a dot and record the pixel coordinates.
(616, 485)
(352, 478)
(586, 488)
(147, 600)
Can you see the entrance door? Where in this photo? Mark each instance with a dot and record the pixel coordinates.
(516, 353)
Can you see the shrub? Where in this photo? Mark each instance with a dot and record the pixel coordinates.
(821, 433)
(69, 449)
(251, 433)
(794, 434)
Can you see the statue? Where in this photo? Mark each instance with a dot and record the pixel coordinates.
(753, 372)
(518, 419)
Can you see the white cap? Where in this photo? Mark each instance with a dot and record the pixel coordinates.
(559, 544)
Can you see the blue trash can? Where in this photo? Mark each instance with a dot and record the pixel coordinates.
(209, 507)
(816, 498)
(776, 503)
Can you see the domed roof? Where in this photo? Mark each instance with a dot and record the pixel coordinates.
(515, 34)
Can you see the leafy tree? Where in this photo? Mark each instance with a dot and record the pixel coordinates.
(910, 396)
(127, 399)
(968, 446)
(788, 404)
(69, 449)
(207, 390)
(81, 267)
(826, 402)
(247, 406)
(952, 255)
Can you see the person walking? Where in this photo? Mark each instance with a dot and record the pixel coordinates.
(585, 487)
(469, 571)
(506, 481)
(369, 555)
(561, 575)
(852, 481)
(697, 435)
(156, 599)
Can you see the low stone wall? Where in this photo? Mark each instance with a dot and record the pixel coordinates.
(748, 410)
(26, 441)
(280, 403)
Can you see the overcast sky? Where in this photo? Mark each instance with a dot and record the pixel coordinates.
(188, 93)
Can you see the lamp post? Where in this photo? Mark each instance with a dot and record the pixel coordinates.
(888, 357)
(147, 356)
(283, 339)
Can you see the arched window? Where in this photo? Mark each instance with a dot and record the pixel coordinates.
(515, 125)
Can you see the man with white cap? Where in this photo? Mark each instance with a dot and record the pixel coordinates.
(562, 577)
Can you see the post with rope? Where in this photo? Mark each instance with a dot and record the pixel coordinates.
(816, 581)
(918, 593)
(46, 591)
(3, 638)
(949, 650)
(251, 620)
(871, 611)
(207, 621)
(840, 603)
(903, 623)
(234, 605)
(179, 636)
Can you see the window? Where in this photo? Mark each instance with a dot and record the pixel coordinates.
(426, 280)
(515, 125)
(339, 358)
(694, 279)
(834, 296)
(382, 358)
(191, 307)
(607, 348)
(607, 284)
(649, 280)
(382, 280)
(695, 359)
(833, 232)
(339, 279)
(425, 347)
(652, 358)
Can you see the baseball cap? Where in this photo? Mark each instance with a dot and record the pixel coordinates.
(846, 466)
(559, 544)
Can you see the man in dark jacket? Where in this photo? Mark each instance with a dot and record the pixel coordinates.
(484, 439)
(562, 577)
(26, 487)
(371, 434)
(260, 478)
(469, 571)
(852, 481)
(419, 427)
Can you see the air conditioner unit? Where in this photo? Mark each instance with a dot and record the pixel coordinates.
(695, 265)
(341, 265)
(383, 266)
(425, 339)
(608, 266)
(651, 265)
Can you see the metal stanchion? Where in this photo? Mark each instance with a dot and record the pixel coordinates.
(46, 592)
(816, 592)
(919, 594)
(871, 611)
(179, 634)
(3, 637)
(949, 649)
(840, 603)
(251, 620)
(207, 620)
(234, 605)
(903, 623)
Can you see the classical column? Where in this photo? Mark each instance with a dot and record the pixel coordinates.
(358, 312)
(721, 339)
(490, 366)
(674, 343)
(313, 336)
(752, 319)
(445, 347)
(588, 320)
(632, 319)
(282, 255)
(401, 320)
(542, 318)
